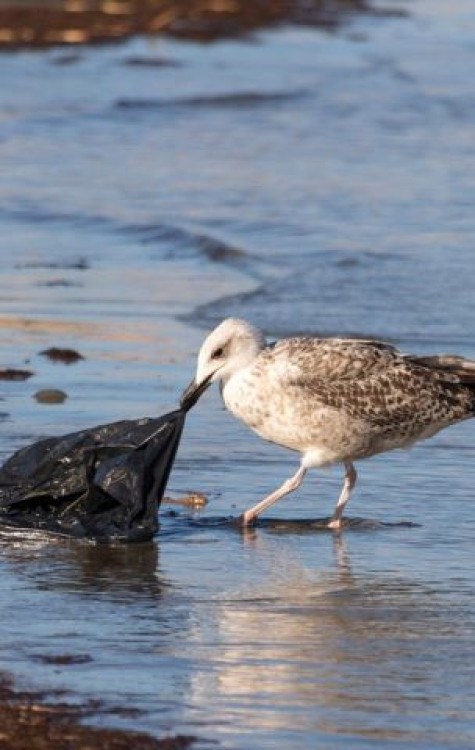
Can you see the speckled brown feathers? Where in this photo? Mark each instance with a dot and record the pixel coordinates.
(372, 380)
(352, 397)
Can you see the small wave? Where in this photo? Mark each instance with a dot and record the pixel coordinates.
(176, 522)
(321, 524)
(31, 213)
(174, 241)
(56, 283)
(79, 264)
(66, 58)
(151, 62)
(213, 248)
(242, 99)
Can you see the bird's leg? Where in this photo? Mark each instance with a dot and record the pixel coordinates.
(249, 516)
(349, 483)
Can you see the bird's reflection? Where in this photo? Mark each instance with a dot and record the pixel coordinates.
(317, 648)
(253, 536)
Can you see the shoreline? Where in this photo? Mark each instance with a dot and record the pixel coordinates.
(31, 24)
(30, 721)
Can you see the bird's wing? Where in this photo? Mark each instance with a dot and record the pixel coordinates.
(368, 380)
(332, 359)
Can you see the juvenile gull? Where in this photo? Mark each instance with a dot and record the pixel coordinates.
(335, 400)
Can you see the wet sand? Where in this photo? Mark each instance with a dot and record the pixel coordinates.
(79, 21)
(28, 722)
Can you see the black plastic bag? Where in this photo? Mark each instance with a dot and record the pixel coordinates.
(102, 483)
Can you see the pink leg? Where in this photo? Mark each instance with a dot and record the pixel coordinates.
(349, 483)
(249, 516)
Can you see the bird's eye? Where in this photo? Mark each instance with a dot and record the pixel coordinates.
(217, 353)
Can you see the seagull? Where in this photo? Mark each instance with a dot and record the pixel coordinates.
(333, 400)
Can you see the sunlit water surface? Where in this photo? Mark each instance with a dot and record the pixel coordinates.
(309, 182)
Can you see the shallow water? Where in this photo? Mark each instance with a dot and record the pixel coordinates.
(307, 182)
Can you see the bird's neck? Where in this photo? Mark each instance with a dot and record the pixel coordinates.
(231, 385)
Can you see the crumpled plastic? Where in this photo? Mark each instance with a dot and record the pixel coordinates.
(104, 483)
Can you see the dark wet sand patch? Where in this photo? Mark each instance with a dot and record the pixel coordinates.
(50, 396)
(29, 722)
(62, 660)
(11, 373)
(61, 354)
(74, 22)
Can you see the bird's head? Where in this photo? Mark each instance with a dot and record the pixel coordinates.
(234, 344)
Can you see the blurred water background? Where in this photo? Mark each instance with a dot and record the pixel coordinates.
(308, 180)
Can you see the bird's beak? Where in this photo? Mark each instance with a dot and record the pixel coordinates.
(190, 395)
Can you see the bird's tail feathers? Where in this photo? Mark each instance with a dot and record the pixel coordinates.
(462, 368)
